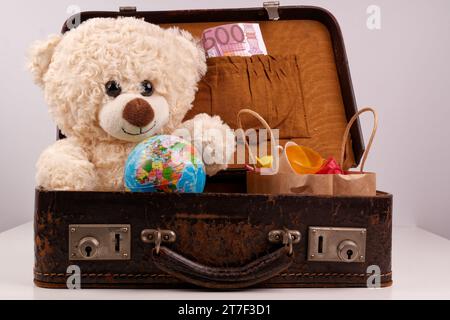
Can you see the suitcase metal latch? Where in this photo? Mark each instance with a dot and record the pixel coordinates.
(272, 9)
(158, 237)
(286, 237)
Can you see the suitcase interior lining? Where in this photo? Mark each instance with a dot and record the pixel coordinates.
(310, 111)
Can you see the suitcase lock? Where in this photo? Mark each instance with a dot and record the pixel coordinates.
(99, 242)
(337, 244)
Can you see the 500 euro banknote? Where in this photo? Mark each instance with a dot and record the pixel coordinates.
(236, 39)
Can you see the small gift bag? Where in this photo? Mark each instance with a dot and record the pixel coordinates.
(280, 178)
(356, 183)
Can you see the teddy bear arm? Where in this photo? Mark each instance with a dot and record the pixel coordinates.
(65, 166)
(212, 138)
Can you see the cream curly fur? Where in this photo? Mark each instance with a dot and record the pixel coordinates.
(73, 68)
(211, 138)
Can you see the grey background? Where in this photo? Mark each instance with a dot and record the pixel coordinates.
(402, 70)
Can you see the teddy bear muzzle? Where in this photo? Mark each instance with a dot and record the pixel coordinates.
(138, 112)
(131, 117)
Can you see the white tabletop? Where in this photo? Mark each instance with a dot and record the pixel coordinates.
(421, 265)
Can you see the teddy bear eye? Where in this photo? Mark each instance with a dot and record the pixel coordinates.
(147, 88)
(113, 89)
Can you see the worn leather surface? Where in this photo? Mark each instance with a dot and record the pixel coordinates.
(215, 230)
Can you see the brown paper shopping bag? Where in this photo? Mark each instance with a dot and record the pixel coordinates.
(280, 179)
(286, 183)
(356, 183)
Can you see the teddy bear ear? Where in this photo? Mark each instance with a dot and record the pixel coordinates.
(198, 51)
(40, 56)
(201, 57)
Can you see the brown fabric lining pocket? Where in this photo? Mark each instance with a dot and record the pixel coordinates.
(269, 85)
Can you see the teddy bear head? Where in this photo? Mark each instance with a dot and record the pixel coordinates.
(121, 78)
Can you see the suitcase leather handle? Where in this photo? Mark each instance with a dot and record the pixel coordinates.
(251, 274)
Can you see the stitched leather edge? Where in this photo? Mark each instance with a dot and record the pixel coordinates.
(154, 275)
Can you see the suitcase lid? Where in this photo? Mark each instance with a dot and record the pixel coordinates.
(303, 87)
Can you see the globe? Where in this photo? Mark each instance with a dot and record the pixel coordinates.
(164, 163)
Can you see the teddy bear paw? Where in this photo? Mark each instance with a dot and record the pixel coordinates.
(63, 167)
(63, 176)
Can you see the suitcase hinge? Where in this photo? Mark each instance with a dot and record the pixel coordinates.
(272, 9)
(127, 9)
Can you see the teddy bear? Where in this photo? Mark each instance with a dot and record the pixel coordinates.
(111, 83)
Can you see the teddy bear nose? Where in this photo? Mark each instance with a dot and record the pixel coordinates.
(138, 112)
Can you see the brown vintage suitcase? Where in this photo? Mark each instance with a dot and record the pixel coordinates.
(225, 238)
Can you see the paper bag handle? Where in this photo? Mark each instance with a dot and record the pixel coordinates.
(347, 133)
(267, 127)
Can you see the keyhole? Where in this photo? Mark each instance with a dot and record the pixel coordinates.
(349, 254)
(320, 249)
(88, 251)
